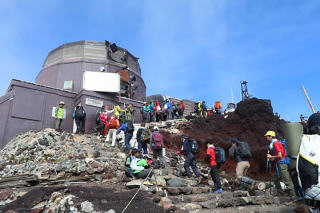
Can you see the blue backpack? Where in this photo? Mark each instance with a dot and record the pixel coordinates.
(285, 160)
(220, 155)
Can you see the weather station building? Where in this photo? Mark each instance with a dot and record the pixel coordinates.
(87, 73)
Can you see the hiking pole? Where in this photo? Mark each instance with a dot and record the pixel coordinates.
(305, 93)
(268, 168)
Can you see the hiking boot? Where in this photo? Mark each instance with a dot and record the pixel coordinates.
(218, 191)
(147, 183)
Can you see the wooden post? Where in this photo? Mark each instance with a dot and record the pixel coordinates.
(308, 99)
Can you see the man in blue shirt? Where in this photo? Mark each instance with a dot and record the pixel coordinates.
(128, 129)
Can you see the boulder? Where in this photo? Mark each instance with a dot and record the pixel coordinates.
(177, 182)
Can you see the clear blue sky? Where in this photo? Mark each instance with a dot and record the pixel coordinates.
(194, 49)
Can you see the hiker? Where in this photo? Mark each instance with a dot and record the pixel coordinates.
(103, 118)
(80, 117)
(144, 112)
(129, 111)
(279, 154)
(119, 113)
(174, 111)
(143, 138)
(199, 112)
(190, 157)
(140, 168)
(158, 111)
(218, 107)
(214, 172)
(169, 109)
(164, 112)
(59, 114)
(180, 109)
(152, 112)
(127, 168)
(307, 163)
(204, 109)
(113, 125)
(156, 142)
(128, 128)
(240, 152)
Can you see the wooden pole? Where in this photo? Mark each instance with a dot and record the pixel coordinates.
(308, 99)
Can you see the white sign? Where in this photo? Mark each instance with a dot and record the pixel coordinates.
(101, 81)
(94, 102)
(53, 113)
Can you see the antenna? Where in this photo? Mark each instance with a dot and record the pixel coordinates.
(232, 100)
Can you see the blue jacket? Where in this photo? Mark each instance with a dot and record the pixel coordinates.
(169, 105)
(122, 127)
(185, 147)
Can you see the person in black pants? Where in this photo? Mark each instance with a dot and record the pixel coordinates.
(214, 172)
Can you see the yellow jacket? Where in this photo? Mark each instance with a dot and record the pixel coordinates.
(117, 110)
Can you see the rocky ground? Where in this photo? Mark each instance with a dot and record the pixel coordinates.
(49, 171)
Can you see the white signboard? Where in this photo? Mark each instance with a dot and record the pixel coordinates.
(101, 81)
(53, 113)
(94, 102)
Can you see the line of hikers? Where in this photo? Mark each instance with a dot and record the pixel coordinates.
(201, 109)
(167, 110)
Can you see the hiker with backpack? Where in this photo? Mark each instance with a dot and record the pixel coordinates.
(190, 149)
(144, 112)
(175, 111)
(156, 143)
(80, 117)
(113, 125)
(204, 109)
(214, 172)
(278, 154)
(143, 138)
(128, 130)
(241, 153)
(169, 109)
(152, 112)
(218, 107)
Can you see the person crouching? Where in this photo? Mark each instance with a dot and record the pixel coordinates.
(140, 168)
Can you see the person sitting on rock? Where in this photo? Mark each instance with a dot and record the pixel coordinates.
(214, 172)
(127, 168)
(140, 167)
(190, 157)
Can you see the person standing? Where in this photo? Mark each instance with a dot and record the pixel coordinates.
(180, 109)
(190, 157)
(79, 115)
(113, 125)
(169, 109)
(158, 111)
(242, 161)
(218, 107)
(204, 109)
(129, 111)
(143, 138)
(59, 115)
(128, 129)
(214, 172)
(152, 111)
(144, 112)
(156, 142)
(278, 154)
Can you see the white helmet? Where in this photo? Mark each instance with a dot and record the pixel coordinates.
(155, 128)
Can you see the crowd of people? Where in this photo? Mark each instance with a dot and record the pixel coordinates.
(139, 164)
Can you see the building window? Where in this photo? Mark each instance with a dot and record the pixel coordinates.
(68, 85)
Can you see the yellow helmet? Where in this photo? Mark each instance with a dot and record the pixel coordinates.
(270, 133)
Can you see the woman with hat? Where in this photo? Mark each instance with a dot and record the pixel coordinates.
(59, 114)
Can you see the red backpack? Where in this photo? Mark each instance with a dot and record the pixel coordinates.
(278, 147)
(157, 138)
(113, 123)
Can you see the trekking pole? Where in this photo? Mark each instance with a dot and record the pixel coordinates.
(268, 168)
(305, 93)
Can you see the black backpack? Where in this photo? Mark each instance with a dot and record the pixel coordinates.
(220, 155)
(98, 116)
(194, 146)
(80, 113)
(243, 149)
(130, 127)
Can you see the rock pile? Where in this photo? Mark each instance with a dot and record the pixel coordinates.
(50, 154)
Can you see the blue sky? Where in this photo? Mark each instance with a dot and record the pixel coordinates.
(191, 49)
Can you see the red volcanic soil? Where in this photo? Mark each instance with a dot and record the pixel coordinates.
(251, 120)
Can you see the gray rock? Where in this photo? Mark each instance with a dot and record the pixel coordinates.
(173, 190)
(241, 194)
(134, 184)
(186, 190)
(43, 141)
(177, 182)
(111, 211)
(227, 195)
(87, 207)
(210, 204)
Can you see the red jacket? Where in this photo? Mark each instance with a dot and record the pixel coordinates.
(103, 117)
(182, 105)
(211, 152)
(156, 107)
(278, 147)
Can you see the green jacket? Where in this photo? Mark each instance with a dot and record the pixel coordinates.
(129, 113)
(117, 110)
(142, 163)
(59, 112)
